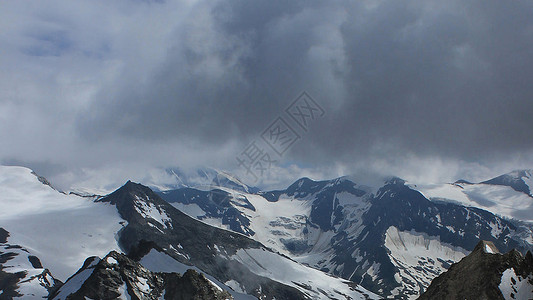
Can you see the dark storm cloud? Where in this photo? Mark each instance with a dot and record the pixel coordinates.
(407, 86)
(226, 75)
(427, 77)
(450, 81)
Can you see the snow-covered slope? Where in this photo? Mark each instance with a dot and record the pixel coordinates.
(313, 283)
(502, 195)
(62, 230)
(419, 258)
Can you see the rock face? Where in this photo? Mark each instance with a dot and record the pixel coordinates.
(485, 274)
(117, 276)
(217, 204)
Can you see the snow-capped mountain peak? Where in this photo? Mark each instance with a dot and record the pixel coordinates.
(202, 179)
(519, 180)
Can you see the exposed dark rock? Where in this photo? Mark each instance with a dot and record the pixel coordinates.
(43, 180)
(116, 275)
(35, 262)
(9, 284)
(462, 181)
(192, 285)
(3, 235)
(478, 275)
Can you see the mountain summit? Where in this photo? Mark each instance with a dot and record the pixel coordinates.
(485, 274)
(518, 180)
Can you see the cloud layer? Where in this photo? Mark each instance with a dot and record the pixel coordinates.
(416, 87)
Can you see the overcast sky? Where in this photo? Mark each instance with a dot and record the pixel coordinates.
(426, 90)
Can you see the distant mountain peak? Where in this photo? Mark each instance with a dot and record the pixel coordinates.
(521, 173)
(228, 180)
(519, 180)
(133, 187)
(395, 181)
(462, 181)
(203, 178)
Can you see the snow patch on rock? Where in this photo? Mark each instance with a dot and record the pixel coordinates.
(150, 210)
(514, 286)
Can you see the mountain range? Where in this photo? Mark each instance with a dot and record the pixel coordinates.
(343, 238)
(389, 237)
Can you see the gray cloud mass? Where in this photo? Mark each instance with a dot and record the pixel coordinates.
(409, 86)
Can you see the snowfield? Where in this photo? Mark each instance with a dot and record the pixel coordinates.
(498, 199)
(272, 221)
(61, 230)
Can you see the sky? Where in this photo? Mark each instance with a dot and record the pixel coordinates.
(107, 91)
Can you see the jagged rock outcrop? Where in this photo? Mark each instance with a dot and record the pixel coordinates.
(117, 276)
(485, 274)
